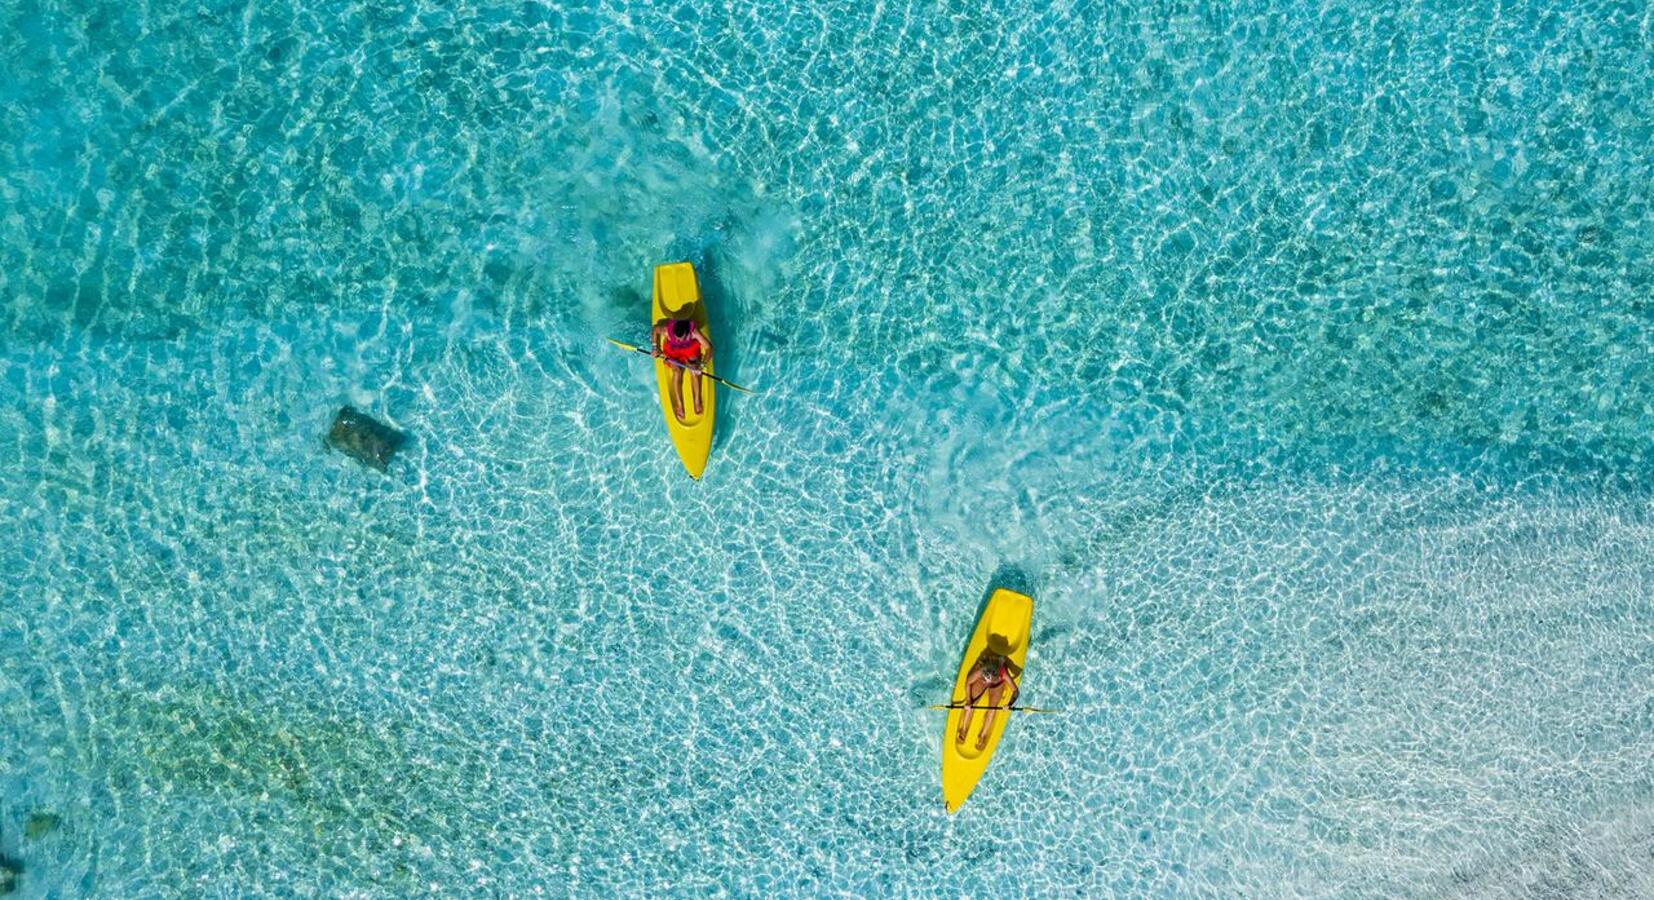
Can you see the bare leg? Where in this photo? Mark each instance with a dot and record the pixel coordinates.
(994, 693)
(974, 687)
(677, 392)
(696, 385)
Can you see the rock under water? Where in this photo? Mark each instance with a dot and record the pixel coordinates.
(40, 824)
(11, 875)
(364, 438)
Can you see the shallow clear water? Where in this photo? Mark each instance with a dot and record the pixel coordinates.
(1296, 358)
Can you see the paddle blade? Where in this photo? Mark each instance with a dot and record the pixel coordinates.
(732, 385)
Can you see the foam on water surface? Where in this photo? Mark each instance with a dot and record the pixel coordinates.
(1295, 359)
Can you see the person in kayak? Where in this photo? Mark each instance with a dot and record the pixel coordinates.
(992, 674)
(680, 341)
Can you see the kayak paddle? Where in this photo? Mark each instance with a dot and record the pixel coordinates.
(1026, 709)
(687, 368)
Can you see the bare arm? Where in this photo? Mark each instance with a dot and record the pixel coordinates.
(656, 335)
(706, 347)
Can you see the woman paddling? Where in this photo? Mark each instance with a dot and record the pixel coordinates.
(680, 341)
(991, 675)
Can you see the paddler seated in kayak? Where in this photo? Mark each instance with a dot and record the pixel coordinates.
(991, 675)
(680, 341)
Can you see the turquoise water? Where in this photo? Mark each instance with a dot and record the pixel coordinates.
(1296, 358)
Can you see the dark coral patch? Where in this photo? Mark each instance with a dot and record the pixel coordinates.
(364, 438)
(11, 875)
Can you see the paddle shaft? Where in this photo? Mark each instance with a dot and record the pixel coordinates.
(684, 366)
(1026, 709)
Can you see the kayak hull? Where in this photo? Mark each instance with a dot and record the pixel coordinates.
(1011, 614)
(692, 436)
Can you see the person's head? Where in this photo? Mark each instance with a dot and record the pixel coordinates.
(680, 328)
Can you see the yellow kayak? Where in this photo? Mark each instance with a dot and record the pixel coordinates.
(678, 296)
(1008, 617)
